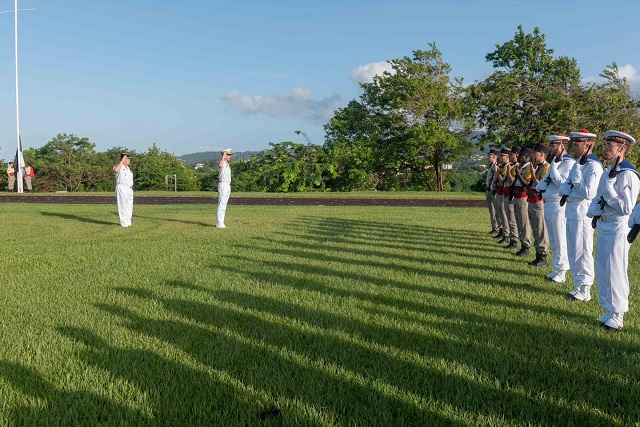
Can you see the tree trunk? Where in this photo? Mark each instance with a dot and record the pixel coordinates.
(439, 179)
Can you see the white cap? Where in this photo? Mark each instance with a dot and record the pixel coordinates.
(558, 136)
(227, 151)
(584, 133)
(614, 135)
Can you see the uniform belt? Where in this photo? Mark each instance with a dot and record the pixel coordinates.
(613, 218)
(574, 200)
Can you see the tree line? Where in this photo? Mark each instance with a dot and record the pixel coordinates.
(398, 135)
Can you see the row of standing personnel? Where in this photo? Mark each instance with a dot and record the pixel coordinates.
(554, 196)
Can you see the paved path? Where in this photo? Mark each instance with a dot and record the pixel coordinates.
(239, 200)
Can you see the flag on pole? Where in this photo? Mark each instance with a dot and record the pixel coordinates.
(19, 166)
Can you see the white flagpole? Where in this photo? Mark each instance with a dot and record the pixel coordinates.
(19, 166)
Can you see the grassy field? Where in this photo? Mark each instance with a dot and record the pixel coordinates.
(294, 316)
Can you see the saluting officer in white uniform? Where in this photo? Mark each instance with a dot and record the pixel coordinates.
(124, 189)
(580, 189)
(616, 197)
(554, 216)
(224, 187)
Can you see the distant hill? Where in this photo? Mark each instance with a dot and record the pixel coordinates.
(208, 156)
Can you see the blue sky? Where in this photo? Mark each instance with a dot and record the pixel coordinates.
(205, 75)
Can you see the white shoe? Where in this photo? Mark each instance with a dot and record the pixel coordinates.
(605, 317)
(221, 226)
(558, 277)
(583, 293)
(615, 322)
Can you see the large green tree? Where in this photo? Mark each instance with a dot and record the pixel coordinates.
(530, 93)
(407, 124)
(152, 167)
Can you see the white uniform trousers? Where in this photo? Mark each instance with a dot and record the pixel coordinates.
(124, 195)
(224, 191)
(612, 262)
(580, 251)
(556, 227)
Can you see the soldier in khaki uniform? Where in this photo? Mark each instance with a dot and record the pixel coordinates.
(501, 172)
(509, 208)
(11, 174)
(539, 168)
(519, 200)
(492, 160)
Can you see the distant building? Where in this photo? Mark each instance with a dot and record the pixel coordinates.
(447, 167)
(199, 166)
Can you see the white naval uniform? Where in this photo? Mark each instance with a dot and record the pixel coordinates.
(581, 187)
(124, 194)
(224, 191)
(612, 248)
(554, 215)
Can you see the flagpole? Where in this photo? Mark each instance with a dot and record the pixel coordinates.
(19, 148)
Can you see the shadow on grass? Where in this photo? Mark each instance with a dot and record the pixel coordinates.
(203, 224)
(370, 374)
(52, 406)
(298, 383)
(78, 218)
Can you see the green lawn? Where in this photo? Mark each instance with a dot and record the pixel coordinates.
(334, 316)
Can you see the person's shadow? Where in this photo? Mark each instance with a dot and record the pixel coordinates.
(60, 407)
(77, 218)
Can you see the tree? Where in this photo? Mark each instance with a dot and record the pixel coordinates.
(68, 163)
(530, 93)
(608, 104)
(408, 121)
(152, 167)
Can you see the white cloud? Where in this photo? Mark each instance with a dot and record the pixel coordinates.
(365, 73)
(627, 71)
(299, 102)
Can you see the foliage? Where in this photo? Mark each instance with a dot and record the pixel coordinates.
(532, 94)
(529, 95)
(406, 122)
(153, 166)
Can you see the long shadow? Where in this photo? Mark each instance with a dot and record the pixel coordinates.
(319, 271)
(77, 218)
(57, 407)
(318, 338)
(204, 224)
(319, 285)
(306, 383)
(443, 247)
(314, 254)
(179, 395)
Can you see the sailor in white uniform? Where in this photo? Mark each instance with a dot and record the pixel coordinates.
(224, 187)
(560, 164)
(617, 194)
(124, 189)
(579, 190)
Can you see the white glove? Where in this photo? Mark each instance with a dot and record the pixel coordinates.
(634, 218)
(595, 209)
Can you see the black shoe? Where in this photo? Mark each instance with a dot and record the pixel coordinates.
(523, 252)
(513, 245)
(500, 235)
(540, 261)
(505, 239)
(494, 231)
